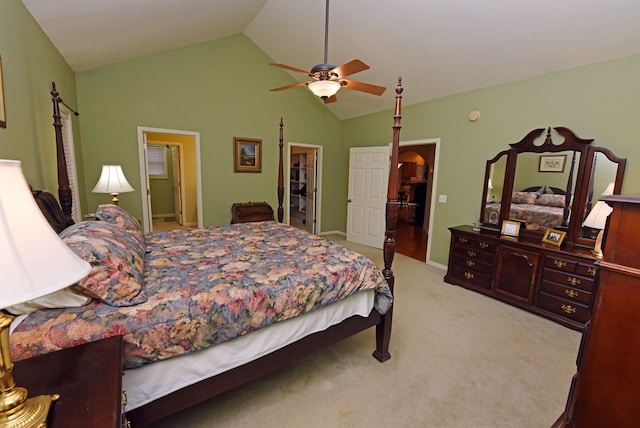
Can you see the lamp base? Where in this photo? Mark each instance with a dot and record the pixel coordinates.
(32, 413)
(114, 198)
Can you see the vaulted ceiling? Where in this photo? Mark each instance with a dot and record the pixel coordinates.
(438, 47)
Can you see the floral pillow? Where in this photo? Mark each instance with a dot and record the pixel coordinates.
(122, 218)
(523, 197)
(551, 200)
(116, 215)
(116, 259)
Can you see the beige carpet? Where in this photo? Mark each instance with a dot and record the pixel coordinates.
(459, 359)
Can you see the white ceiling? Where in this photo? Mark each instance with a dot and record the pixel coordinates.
(439, 47)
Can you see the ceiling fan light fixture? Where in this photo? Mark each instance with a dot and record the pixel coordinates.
(324, 88)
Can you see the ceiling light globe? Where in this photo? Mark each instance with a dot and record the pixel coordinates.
(324, 88)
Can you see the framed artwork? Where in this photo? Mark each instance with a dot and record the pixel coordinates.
(3, 111)
(247, 155)
(552, 163)
(510, 228)
(553, 237)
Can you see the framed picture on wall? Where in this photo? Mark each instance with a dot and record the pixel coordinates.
(247, 155)
(3, 111)
(552, 163)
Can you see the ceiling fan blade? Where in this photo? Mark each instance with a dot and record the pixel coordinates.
(363, 87)
(293, 85)
(331, 99)
(288, 67)
(351, 67)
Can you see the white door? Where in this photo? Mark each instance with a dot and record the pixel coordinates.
(367, 195)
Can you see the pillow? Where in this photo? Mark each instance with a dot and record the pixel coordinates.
(116, 259)
(122, 218)
(551, 200)
(119, 216)
(65, 298)
(523, 197)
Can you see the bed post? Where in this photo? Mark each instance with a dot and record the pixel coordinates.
(383, 329)
(280, 177)
(64, 191)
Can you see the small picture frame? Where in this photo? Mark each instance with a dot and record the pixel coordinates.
(523, 223)
(510, 228)
(553, 237)
(554, 163)
(247, 155)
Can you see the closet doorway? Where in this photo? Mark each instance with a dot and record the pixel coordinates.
(170, 178)
(304, 189)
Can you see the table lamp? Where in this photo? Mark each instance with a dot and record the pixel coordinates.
(112, 181)
(597, 219)
(34, 262)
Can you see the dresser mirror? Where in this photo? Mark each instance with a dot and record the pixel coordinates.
(550, 181)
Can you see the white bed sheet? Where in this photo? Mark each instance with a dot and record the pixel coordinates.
(152, 381)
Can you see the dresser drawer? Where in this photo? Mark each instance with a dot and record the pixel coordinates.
(473, 263)
(590, 271)
(470, 276)
(568, 279)
(566, 308)
(568, 293)
(473, 254)
(561, 264)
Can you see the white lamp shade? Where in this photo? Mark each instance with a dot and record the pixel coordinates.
(112, 180)
(34, 261)
(490, 185)
(597, 218)
(324, 88)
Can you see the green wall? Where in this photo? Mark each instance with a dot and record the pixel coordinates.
(29, 64)
(600, 101)
(221, 90)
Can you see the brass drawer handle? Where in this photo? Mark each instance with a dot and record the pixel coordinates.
(468, 275)
(483, 245)
(559, 263)
(462, 240)
(471, 263)
(573, 281)
(592, 271)
(571, 293)
(471, 253)
(568, 309)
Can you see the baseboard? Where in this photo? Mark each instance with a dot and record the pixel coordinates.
(162, 215)
(333, 232)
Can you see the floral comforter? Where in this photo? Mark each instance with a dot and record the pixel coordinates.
(207, 286)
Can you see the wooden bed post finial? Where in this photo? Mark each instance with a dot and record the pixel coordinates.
(281, 176)
(64, 191)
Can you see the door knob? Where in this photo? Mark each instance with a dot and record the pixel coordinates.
(348, 200)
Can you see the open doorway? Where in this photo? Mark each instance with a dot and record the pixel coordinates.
(304, 189)
(416, 164)
(170, 178)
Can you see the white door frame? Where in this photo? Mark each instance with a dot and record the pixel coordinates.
(144, 180)
(287, 179)
(434, 185)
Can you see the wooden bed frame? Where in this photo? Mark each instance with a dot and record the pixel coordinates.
(216, 385)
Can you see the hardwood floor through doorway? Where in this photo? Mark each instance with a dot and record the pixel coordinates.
(411, 239)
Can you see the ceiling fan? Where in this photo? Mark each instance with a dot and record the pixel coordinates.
(327, 79)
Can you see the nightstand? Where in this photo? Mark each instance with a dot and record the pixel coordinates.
(88, 378)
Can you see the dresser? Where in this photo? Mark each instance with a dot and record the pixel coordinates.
(605, 391)
(556, 283)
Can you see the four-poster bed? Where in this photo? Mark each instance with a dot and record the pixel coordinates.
(235, 361)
